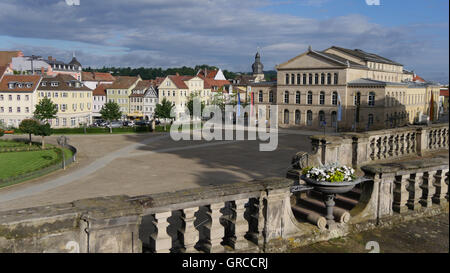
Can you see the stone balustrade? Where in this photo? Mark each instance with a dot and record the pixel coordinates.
(359, 149)
(235, 217)
(403, 187)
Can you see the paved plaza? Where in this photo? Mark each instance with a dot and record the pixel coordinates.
(136, 164)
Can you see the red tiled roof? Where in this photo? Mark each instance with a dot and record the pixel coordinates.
(123, 82)
(2, 70)
(97, 76)
(158, 81)
(6, 56)
(100, 90)
(144, 84)
(211, 73)
(179, 81)
(444, 92)
(34, 79)
(417, 78)
(208, 83)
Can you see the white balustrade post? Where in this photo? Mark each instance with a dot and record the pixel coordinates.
(163, 242)
(217, 231)
(240, 225)
(190, 233)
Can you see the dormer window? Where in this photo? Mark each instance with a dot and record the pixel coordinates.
(11, 85)
(55, 83)
(28, 85)
(44, 84)
(19, 85)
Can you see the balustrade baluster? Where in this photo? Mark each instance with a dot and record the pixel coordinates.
(162, 240)
(217, 231)
(402, 144)
(372, 146)
(400, 193)
(441, 188)
(415, 192)
(241, 225)
(428, 189)
(190, 233)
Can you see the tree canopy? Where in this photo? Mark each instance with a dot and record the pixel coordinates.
(28, 126)
(45, 110)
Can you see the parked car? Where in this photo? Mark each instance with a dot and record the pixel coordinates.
(128, 123)
(115, 124)
(141, 123)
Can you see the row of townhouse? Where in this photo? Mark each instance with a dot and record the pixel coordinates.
(374, 92)
(19, 95)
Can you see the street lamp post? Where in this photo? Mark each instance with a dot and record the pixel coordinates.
(62, 141)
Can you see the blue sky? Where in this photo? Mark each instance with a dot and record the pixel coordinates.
(226, 33)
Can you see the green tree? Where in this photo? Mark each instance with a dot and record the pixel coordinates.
(163, 109)
(111, 111)
(190, 103)
(2, 132)
(28, 126)
(43, 130)
(45, 110)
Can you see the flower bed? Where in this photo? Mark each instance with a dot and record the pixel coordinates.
(330, 173)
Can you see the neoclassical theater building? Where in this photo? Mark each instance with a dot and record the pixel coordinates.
(374, 92)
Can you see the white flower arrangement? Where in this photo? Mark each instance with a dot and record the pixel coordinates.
(330, 173)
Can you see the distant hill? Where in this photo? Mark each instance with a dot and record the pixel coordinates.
(152, 73)
(148, 73)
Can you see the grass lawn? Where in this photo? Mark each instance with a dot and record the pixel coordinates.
(6, 143)
(15, 163)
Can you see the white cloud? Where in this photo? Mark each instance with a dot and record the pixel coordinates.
(190, 32)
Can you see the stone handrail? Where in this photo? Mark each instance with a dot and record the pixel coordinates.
(404, 187)
(239, 216)
(359, 149)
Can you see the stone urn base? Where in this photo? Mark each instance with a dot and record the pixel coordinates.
(329, 191)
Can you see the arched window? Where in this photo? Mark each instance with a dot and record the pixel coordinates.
(334, 98)
(316, 78)
(357, 99)
(333, 118)
(370, 120)
(260, 96)
(287, 78)
(322, 98)
(322, 78)
(297, 97)
(286, 116)
(309, 118)
(304, 78)
(310, 97)
(329, 78)
(270, 96)
(286, 96)
(371, 101)
(297, 117)
(321, 118)
(298, 79)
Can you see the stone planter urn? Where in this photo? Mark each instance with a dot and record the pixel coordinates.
(329, 191)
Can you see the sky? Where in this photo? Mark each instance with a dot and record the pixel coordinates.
(227, 33)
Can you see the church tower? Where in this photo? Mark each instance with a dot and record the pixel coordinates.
(257, 68)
